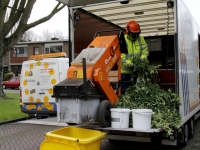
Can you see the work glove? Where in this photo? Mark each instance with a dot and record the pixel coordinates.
(131, 65)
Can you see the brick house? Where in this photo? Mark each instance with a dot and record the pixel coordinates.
(23, 50)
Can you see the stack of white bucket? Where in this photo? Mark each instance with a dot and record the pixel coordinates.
(141, 118)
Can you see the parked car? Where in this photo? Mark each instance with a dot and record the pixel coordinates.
(13, 82)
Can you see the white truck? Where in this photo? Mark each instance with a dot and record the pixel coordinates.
(173, 38)
(38, 75)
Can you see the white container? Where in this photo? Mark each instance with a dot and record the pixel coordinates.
(76, 111)
(120, 117)
(142, 118)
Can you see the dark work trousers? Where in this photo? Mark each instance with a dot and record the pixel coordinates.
(125, 82)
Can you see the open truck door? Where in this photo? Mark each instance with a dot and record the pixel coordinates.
(172, 36)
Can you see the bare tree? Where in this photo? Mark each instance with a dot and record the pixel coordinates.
(59, 34)
(19, 14)
(46, 35)
(29, 36)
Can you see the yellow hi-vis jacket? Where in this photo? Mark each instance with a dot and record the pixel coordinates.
(134, 48)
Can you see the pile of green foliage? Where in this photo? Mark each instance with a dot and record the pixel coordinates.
(145, 94)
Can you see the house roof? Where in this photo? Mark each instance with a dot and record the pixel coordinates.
(41, 42)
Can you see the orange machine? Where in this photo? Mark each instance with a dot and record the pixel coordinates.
(101, 55)
(88, 75)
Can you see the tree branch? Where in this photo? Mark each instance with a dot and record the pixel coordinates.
(44, 19)
(22, 27)
(22, 24)
(27, 12)
(3, 7)
(5, 4)
(14, 18)
(13, 11)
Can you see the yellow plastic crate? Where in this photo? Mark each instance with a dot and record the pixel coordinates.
(72, 138)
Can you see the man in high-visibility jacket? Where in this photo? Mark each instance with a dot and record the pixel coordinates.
(136, 46)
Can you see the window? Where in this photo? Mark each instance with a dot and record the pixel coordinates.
(53, 48)
(14, 52)
(154, 44)
(20, 52)
(35, 50)
(46, 51)
(5, 69)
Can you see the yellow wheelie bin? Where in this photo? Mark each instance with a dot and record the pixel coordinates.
(72, 138)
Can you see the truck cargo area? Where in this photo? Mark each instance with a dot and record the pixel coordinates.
(173, 38)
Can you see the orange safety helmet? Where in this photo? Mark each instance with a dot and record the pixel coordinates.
(133, 27)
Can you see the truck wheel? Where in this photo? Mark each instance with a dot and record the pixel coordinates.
(184, 136)
(191, 128)
(104, 114)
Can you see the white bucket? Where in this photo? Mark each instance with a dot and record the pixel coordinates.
(120, 117)
(142, 118)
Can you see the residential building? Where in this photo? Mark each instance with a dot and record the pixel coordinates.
(23, 50)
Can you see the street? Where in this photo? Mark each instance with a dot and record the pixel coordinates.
(11, 91)
(28, 135)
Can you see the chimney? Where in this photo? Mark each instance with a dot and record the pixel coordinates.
(54, 38)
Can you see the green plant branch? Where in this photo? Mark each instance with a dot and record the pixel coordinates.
(145, 94)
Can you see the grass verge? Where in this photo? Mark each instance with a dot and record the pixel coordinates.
(10, 109)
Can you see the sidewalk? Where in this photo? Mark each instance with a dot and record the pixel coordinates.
(47, 121)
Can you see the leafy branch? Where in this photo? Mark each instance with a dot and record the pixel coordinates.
(145, 94)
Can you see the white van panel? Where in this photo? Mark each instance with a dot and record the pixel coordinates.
(48, 76)
(38, 79)
(64, 65)
(29, 81)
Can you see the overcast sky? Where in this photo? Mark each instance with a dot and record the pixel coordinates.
(60, 20)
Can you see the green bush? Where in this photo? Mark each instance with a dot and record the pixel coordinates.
(5, 72)
(8, 75)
